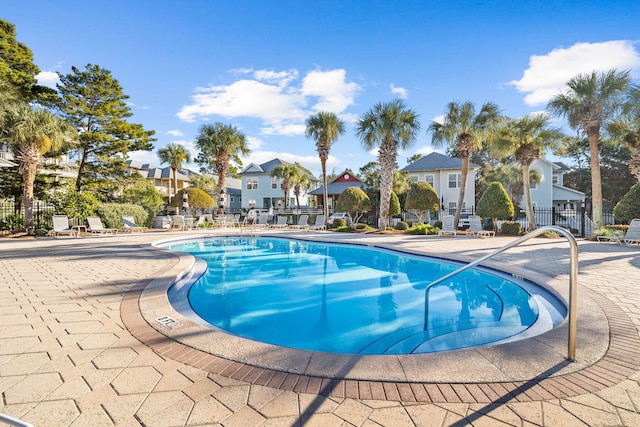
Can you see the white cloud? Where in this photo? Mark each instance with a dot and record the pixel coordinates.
(277, 98)
(548, 74)
(334, 92)
(175, 133)
(254, 143)
(401, 92)
(48, 79)
(426, 150)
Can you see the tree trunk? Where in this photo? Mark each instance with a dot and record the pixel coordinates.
(222, 179)
(527, 198)
(463, 188)
(81, 167)
(325, 193)
(593, 135)
(28, 178)
(387, 157)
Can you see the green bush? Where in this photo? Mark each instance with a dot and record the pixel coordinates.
(610, 231)
(422, 198)
(495, 203)
(401, 225)
(511, 228)
(198, 198)
(112, 213)
(339, 222)
(628, 207)
(423, 229)
(12, 222)
(361, 226)
(78, 205)
(344, 229)
(438, 224)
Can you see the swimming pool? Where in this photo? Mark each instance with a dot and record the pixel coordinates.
(353, 299)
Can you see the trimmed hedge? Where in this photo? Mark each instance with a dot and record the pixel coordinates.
(112, 213)
(401, 225)
(511, 228)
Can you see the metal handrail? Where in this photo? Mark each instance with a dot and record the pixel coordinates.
(573, 276)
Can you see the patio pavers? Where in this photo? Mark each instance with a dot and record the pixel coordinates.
(68, 358)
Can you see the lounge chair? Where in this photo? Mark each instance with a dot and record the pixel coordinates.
(631, 236)
(96, 227)
(302, 222)
(319, 224)
(61, 227)
(262, 221)
(181, 223)
(447, 226)
(475, 227)
(282, 222)
(130, 225)
(204, 221)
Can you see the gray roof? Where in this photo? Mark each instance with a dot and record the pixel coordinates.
(269, 166)
(436, 161)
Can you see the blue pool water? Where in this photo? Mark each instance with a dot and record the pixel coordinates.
(352, 299)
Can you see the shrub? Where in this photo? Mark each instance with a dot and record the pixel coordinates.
(361, 226)
(354, 201)
(198, 198)
(511, 228)
(438, 224)
(495, 203)
(423, 229)
(344, 229)
(402, 225)
(12, 222)
(339, 222)
(610, 230)
(78, 205)
(394, 205)
(628, 207)
(112, 213)
(422, 198)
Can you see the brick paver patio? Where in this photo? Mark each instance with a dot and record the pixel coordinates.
(76, 350)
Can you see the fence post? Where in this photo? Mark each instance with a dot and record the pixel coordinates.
(583, 213)
(553, 215)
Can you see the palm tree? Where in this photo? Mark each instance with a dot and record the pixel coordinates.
(32, 133)
(388, 126)
(590, 102)
(325, 128)
(174, 155)
(287, 173)
(301, 181)
(219, 144)
(465, 132)
(527, 138)
(626, 129)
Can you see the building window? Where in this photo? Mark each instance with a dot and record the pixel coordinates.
(252, 183)
(454, 180)
(413, 179)
(533, 185)
(231, 199)
(554, 179)
(430, 179)
(452, 208)
(274, 183)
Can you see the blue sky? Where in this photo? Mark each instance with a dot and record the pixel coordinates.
(265, 66)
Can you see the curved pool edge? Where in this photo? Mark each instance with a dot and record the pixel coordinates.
(517, 361)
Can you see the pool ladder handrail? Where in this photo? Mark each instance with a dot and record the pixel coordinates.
(573, 276)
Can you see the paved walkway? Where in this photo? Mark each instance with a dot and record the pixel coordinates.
(75, 352)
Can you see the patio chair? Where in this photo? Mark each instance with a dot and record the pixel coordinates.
(319, 224)
(181, 223)
(61, 227)
(203, 222)
(475, 227)
(631, 236)
(302, 222)
(447, 226)
(96, 227)
(130, 225)
(282, 222)
(262, 221)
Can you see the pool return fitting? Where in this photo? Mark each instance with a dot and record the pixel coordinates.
(573, 277)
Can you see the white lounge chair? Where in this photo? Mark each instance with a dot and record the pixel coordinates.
(302, 222)
(96, 227)
(205, 221)
(61, 227)
(262, 221)
(631, 236)
(447, 226)
(282, 222)
(130, 225)
(319, 224)
(475, 227)
(181, 223)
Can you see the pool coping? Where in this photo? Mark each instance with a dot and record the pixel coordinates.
(517, 370)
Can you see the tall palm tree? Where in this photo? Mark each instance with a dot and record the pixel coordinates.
(590, 102)
(287, 173)
(219, 144)
(174, 155)
(388, 126)
(465, 131)
(626, 129)
(32, 133)
(325, 128)
(527, 138)
(301, 181)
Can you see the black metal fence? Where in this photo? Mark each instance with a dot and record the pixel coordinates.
(12, 216)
